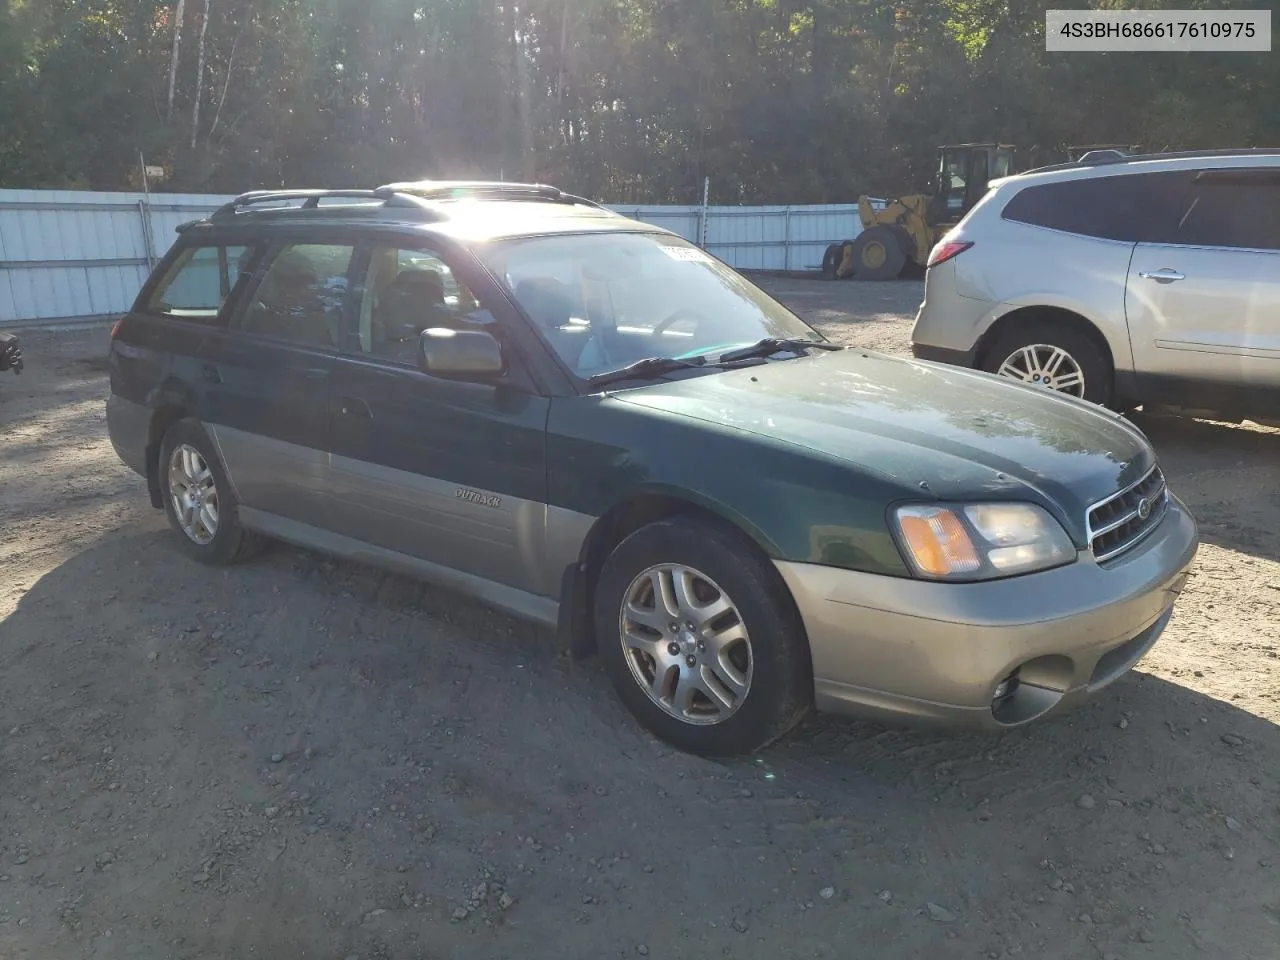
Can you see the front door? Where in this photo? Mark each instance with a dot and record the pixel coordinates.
(267, 381)
(445, 471)
(1204, 307)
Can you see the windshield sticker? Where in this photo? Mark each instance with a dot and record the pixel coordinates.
(688, 254)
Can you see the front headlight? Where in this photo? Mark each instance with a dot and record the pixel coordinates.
(980, 541)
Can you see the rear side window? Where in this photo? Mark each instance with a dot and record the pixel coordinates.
(1232, 208)
(303, 296)
(1132, 208)
(199, 282)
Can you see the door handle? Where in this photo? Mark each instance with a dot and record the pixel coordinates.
(316, 373)
(355, 407)
(210, 373)
(1163, 275)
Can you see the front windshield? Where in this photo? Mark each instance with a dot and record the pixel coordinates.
(604, 301)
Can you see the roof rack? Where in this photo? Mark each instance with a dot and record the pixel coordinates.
(482, 190)
(311, 199)
(1103, 156)
(1096, 158)
(420, 196)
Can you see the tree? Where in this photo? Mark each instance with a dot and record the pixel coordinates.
(787, 101)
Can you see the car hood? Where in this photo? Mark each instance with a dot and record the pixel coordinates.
(934, 430)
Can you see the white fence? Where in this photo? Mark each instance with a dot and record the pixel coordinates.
(758, 238)
(68, 255)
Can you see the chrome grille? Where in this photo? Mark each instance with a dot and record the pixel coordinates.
(1118, 524)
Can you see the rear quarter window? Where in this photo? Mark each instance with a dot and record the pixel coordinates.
(197, 284)
(1232, 208)
(1130, 208)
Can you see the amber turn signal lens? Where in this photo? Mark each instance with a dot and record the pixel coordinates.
(938, 541)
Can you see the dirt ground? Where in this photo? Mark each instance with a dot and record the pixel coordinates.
(298, 758)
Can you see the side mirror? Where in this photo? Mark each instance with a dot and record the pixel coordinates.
(443, 352)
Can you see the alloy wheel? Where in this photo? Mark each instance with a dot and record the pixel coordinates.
(1044, 365)
(686, 644)
(193, 494)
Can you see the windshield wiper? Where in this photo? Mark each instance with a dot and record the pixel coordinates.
(771, 345)
(647, 369)
(653, 367)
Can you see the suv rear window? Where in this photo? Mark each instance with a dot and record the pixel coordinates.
(199, 282)
(1131, 208)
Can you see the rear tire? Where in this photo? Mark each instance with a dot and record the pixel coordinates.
(878, 254)
(199, 500)
(835, 258)
(737, 681)
(831, 260)
(1027, 350)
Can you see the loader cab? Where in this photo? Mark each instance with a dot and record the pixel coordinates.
(964, 170)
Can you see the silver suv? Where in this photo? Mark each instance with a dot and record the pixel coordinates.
(1148, 280)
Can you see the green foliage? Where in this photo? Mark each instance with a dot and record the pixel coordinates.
(784, 101)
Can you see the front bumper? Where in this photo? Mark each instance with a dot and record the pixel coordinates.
(906, 649)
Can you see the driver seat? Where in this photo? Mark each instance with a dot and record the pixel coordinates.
(410, 304)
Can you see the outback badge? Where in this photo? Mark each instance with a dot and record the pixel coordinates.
(483, 499)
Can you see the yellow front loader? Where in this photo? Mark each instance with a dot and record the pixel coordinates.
(898, 234)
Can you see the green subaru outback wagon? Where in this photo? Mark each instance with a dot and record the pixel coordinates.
(590, 422)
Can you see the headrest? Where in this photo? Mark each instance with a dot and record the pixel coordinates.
(418, 284)
(413, 277)
(546, 299)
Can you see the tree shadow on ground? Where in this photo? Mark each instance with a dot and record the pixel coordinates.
(265, 757)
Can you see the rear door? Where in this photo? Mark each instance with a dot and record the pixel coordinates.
(267, 378)
(1203, 299)
(157, 354)
(446, 471)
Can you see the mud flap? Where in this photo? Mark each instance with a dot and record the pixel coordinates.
(573, 625)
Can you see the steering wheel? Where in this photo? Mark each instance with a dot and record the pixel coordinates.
(683, 314)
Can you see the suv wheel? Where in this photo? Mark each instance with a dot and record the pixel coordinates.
(701, 639)
(198, 499)
(1055, 357)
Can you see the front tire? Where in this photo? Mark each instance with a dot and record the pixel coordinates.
(198, 498)
(878, 254)
(701, 639)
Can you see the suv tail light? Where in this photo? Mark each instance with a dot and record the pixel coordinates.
(115, 327)
(947, 249)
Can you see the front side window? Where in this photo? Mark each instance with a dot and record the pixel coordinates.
(303, 295)
(198, 284)
(954, 182)
(606, 300)
(404, 293)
